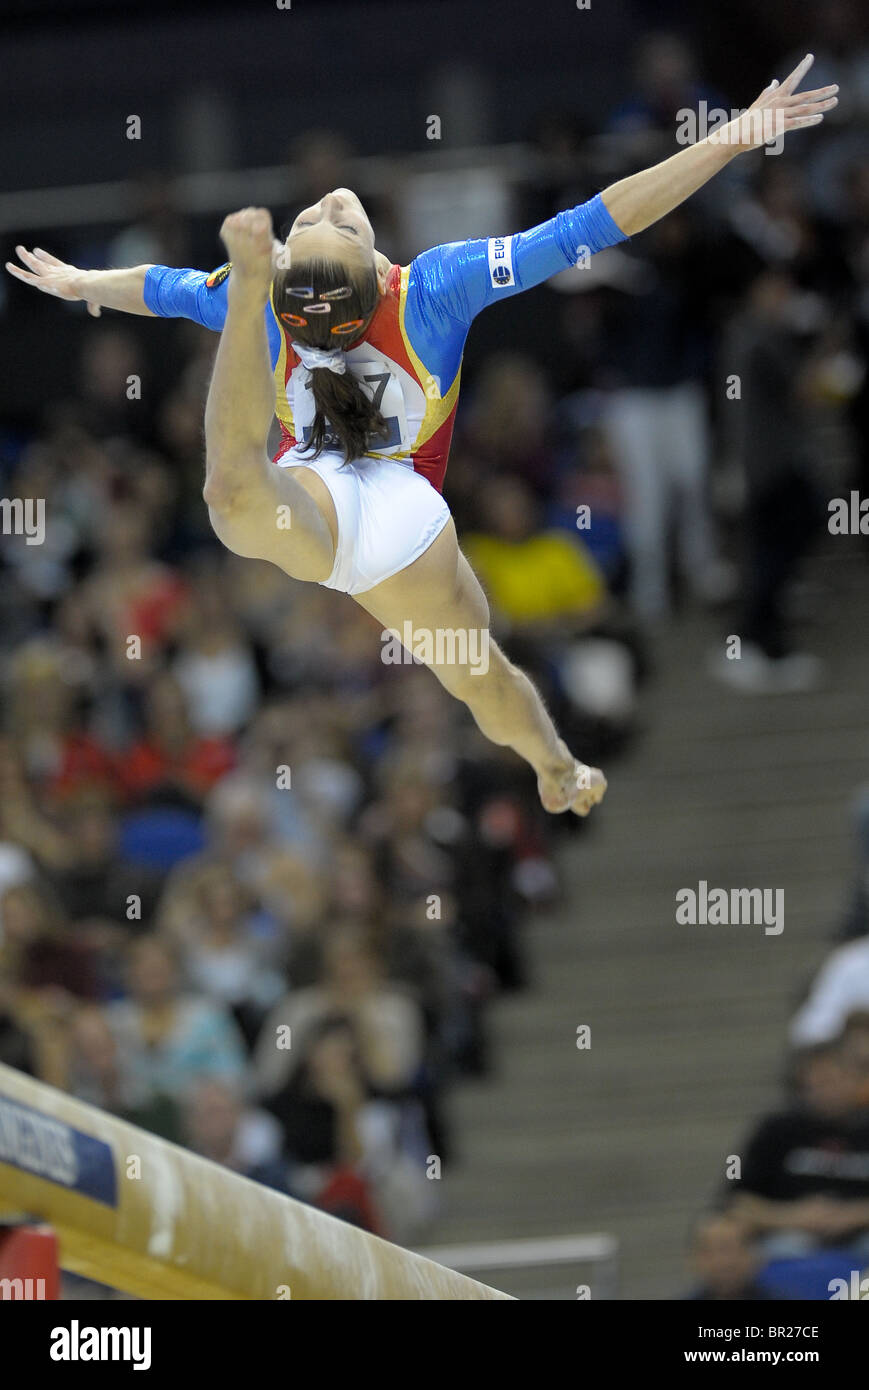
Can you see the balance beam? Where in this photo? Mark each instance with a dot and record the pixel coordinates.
(152, 1219)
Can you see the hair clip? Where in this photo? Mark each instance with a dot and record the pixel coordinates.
(349, 327)
(343, 293)
(303, 292)
(295, 320)
(318, 308)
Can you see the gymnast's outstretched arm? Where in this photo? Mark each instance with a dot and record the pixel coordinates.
(100, 289)
(459, 279)
(151, 290)
(451, 284)
(636, 202)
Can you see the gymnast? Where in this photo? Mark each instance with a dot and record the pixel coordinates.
(360, 359)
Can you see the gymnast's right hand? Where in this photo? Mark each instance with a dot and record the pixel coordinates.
(45, 272)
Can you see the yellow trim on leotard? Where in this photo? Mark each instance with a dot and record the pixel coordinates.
(438, 408)
(282, 402)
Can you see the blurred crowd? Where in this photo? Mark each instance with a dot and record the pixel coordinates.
(792, 1218)
(259, 890)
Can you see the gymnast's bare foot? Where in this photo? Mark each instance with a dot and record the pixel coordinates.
(571, 786)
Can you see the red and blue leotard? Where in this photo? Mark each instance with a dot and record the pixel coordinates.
(411, 354)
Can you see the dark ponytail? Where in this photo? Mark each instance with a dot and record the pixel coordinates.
(344, 412)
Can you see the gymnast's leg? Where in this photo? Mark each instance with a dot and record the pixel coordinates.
(247, 495)
(438, 592)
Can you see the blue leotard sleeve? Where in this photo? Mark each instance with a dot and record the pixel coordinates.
(466, 276)
(186, 294)
(449, 285)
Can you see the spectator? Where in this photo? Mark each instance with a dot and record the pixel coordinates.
(783, 509)
(507, 426)
(129, 594)
(55, 749)
(214, 666)
(656, 419)
(17, 1047)
(724, 1261)
(320, 1111)
(228, 950)
(37, 947)
(221, 1127)
(94, 1072)
(551, 605)
(99, 882)
(168, 1038)
(840, 988)
(387, 1022)
(538, 580)
(805, 1172)
(351, 1147)
(171, 762)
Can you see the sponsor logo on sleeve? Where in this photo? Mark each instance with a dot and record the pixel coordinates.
(501, 261)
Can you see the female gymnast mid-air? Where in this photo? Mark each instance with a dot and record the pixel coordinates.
(360, 359)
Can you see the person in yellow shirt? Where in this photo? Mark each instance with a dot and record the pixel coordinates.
(542, 582)
(555, 614)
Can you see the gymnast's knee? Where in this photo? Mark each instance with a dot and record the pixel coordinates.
(220, 496)
(231, 519)
(233, 482)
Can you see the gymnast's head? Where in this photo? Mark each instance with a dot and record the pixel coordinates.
(327, 282)
(327, 286)
(337, 227)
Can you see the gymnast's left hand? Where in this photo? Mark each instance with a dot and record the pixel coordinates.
(778, 109)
